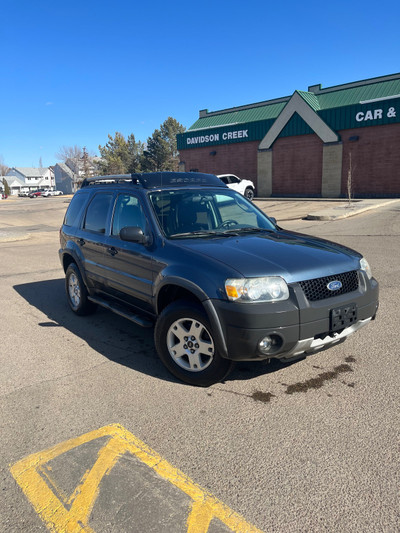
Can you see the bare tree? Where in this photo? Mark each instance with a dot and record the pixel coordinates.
(3, 167)
(350, 181)
(40, 162)
(69, 152)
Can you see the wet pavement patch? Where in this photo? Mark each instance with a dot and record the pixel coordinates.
(319, 381)
(264, 397)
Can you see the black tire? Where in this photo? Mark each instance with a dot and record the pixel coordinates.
(197, 362)
(249, 193)
(76, 291)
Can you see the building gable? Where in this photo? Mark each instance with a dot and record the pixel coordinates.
(298, 104)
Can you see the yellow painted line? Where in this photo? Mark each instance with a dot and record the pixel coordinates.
(34, 477)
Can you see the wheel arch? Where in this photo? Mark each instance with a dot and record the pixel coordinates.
(173, 290)
(184, 290)
(69, 257)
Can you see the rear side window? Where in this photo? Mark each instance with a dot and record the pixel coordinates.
(97, 212)
(74, 209)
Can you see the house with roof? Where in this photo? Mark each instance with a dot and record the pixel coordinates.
(26, 179)
(65, 178)
(69, 175)
(313, 143)
(15, 184)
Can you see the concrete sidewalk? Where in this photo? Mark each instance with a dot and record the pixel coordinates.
(349, 210)
(284, 209)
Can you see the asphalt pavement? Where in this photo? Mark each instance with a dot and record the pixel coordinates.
(97, 436)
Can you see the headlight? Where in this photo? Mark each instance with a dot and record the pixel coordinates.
(365, 266)
(268, 289)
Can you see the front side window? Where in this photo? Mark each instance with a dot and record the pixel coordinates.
(127, 212)
(97, 212)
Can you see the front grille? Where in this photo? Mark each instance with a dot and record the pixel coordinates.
(316, 289)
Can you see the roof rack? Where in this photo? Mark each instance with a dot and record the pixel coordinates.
(157, 180)
(111, 179)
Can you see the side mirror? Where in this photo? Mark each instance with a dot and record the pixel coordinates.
(273, 219)
(133, 234)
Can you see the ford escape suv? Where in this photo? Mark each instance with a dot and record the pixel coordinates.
(220, 281)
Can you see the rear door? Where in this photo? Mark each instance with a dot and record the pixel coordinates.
(91, 237)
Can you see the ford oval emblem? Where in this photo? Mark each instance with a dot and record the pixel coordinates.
(334, 285)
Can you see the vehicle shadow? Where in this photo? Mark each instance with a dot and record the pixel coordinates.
(115, 337)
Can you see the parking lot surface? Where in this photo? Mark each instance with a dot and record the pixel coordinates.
(307, 447)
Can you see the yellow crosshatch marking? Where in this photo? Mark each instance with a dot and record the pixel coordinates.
(35, 480)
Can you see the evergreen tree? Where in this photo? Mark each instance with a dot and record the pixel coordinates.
(7, 189)
(120, 156)
(136, 154)
(161, 152)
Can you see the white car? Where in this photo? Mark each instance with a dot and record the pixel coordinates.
(245, 187)
(52, 193)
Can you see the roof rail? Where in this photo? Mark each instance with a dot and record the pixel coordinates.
(157, 180)
(112, 178)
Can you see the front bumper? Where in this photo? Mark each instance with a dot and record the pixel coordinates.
(312, 345)
(300, 326)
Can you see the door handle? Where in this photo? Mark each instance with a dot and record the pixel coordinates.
(81, 242)
(112, 251)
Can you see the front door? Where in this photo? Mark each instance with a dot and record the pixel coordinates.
(130, 275)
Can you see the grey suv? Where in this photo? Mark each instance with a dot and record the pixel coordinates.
(219, 280)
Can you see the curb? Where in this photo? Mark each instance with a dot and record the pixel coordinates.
(337, 213)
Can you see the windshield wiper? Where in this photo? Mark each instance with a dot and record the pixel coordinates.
(200, 233)
(237, 231)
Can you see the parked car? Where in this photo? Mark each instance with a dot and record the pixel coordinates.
(219, 279)
(245, 187)
(51, 193)
(23, 194)
(37, 193)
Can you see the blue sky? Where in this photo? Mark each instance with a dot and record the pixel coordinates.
(73, 72)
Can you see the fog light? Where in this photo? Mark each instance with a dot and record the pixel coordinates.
(265, 345)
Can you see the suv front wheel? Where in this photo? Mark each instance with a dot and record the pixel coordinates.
(185, 344)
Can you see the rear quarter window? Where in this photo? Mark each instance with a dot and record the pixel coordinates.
(75, 208)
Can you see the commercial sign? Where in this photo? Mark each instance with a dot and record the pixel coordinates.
(227, 135)
(236, 133)
(375, 114)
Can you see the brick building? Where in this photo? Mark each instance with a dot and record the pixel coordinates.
(305, 144)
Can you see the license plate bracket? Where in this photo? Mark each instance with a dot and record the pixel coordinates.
(343, 317)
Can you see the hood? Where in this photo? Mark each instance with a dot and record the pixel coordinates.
(293, 256)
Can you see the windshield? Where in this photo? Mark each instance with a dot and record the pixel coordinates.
(213, 213)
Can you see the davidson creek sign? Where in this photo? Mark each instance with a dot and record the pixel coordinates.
(217, 137)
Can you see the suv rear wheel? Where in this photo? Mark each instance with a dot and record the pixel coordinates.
(185, 344)
(77, 293)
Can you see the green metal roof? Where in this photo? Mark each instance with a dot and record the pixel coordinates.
(317, 98)
(249, 114)
(356, 95)
(311, 99)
